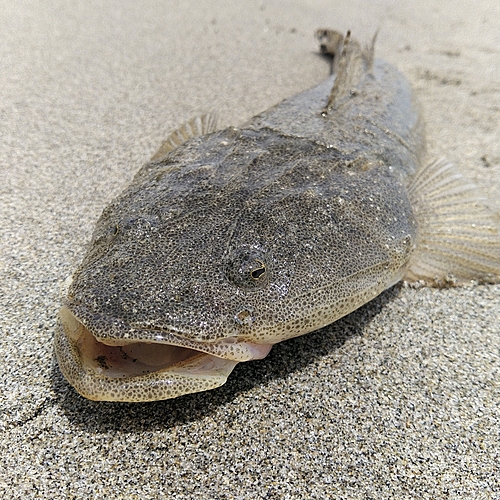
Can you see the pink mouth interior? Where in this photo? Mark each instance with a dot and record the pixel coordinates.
(138, 358)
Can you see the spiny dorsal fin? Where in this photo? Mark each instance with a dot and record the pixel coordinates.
(348, 72)
(351, 63)
(369, 53)
(330, 43)
(196, 126)
(459, 235)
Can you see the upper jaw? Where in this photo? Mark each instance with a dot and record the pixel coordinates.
(115, 332)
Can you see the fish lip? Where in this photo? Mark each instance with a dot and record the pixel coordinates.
(105, 379)
(108, 371)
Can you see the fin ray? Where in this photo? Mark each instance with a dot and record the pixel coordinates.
(351, 63)
(459, 234)
(348, 70)
(369, 53)
(196, 126)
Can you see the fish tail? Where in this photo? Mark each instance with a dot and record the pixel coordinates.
(459, 235)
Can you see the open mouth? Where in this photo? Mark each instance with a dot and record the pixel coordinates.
(121, 370)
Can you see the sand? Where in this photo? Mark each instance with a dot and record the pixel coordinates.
(401, 399)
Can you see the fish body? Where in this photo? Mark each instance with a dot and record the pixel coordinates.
(230, 241)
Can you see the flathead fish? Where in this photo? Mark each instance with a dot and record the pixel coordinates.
(230, 241)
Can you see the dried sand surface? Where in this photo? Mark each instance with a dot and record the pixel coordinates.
(399, 400)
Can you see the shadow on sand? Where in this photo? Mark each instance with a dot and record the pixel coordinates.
(285, 358)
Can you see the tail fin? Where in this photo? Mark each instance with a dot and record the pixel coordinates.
(459, 235)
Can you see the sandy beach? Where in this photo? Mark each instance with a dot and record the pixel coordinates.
(400, 399)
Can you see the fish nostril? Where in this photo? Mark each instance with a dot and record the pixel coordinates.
(244, 317)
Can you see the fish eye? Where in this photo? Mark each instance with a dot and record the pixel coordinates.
(246, 267)
(257, 273)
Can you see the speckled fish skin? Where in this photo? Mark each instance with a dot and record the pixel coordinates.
(245, 237)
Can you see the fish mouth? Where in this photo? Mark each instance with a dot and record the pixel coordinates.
(139, 371)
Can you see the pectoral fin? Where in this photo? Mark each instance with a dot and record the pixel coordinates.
(459, 235)
(196, 126)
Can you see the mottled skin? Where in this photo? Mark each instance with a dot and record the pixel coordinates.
(239, 239)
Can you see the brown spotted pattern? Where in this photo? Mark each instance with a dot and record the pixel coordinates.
(251, 235)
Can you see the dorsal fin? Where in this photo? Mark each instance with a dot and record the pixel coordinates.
(351, 63)
(196, 126)
(369, 53)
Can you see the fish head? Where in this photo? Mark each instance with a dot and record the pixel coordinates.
(218, 252)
